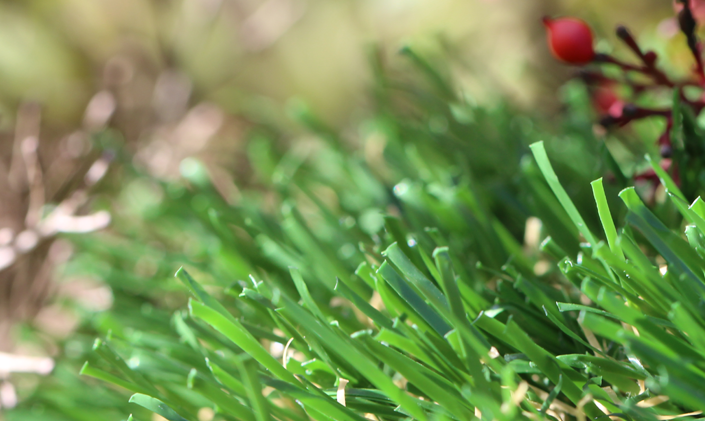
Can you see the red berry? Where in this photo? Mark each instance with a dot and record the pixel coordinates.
(570, 40)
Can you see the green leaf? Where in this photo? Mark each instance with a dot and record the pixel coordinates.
(405, 291)
(418, 279)
(435, 386)
(687, 323)
(346, 349)
(552, 396)
(89, 370)
(680, 256)
(546, 362)
(156, 406)
(545, 165)
(317, 400)
(371, 312)
(232, 330)
(606, 217)
(201, 294)
(259, 404)
(698, 206)
(304, 293)
(225, 379)
(569, 332)
(687, 212)
(666, 179)
(212, 391)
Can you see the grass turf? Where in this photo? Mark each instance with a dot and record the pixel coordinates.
(396, 277)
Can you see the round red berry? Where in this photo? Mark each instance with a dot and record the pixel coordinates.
(570, 40)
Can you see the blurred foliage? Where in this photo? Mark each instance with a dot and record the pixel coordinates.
(56, 52)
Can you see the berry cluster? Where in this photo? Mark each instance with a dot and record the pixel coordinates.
(571, 41)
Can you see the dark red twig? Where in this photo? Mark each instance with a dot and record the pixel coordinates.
(688, 26)
(649, 59)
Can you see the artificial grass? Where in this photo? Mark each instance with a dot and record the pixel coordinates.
(346, 283)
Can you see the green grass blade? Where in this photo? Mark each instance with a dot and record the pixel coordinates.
(687, 212)
(371, 312)
(698, 206)
(259, 404)
(418, 279)
(545, 361)
(606, 217)
(156, 406)
(89, 370)
(552, 179)
(241, 337)
(674, 249)
(432, 384)
(201, 294)
(305, 294)
(405, 291)
(346, 349)
(666, 179)
(552, 396)
(225, 379)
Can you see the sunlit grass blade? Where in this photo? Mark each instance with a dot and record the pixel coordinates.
(552, 179)
(348, 350)
(241, 337)
(432, 384)
(156, 406)
(89, 370)
(413, 299)
(513, 335)
(606, 217)
(675, 250)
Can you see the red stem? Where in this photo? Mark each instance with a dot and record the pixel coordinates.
(659, 77)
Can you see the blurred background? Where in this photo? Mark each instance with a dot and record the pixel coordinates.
(60, 53)
(172, 79)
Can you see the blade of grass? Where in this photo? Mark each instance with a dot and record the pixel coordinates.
(666, 179)
(259, 404)
(241, 337)
(413, 299)
(606, 217)
(552, 179)
(156, 406)
(347, 349)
